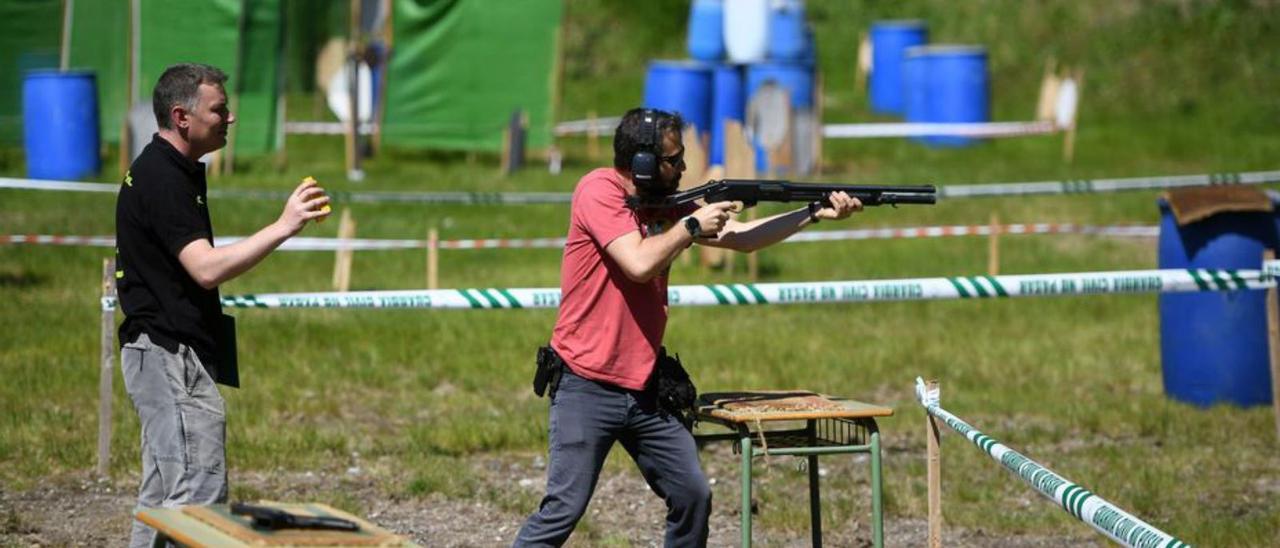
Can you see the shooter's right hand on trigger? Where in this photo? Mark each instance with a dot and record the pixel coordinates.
(712, 218)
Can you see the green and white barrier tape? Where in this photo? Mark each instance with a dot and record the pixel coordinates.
(1081, 503)
(960, 287)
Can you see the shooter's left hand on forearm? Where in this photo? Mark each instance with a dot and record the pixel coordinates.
(842, 206)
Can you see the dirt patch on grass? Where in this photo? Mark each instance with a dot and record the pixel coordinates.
(81, 511)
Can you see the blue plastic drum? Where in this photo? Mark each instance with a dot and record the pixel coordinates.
(1213, 344)
(727, 103)
(787, 31)
(889, 43)
(914, 72)
(683, 87)
(955, 88)
(706, 30)
(60, 124)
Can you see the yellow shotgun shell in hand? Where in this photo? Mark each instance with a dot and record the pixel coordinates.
(325, 208)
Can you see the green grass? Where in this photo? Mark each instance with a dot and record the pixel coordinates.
(1073, 382)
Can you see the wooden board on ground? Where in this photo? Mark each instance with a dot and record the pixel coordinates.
(216, 526)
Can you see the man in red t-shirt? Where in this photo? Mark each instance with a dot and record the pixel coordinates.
(613, 311)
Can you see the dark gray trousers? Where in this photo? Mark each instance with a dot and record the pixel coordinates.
(587, 417)
(184, 457)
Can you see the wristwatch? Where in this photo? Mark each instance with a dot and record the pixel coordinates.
(813, 212)
(692, 225)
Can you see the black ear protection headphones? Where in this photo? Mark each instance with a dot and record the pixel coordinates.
(644, 163)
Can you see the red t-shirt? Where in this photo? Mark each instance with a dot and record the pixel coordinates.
(609, 328)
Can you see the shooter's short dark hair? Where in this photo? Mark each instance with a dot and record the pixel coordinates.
(627, 139)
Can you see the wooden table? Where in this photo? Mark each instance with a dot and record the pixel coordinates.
(832, 425)
(215, 525)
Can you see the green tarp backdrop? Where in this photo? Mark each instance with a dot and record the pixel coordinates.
(29, 35)
(242, 37)
(460, 68)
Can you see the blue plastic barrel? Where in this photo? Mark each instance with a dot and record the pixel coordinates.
(727, 103)
(915, 93)
(60, 124)
(795, 77)
(810, 53)
(706, 30)
(889, 43)
(786, 30)
(1213, 344)
(683, 87)
(955, 87)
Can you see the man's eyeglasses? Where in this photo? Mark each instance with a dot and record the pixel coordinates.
(675, 159)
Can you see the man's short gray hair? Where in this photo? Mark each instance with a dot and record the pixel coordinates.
(180, 85)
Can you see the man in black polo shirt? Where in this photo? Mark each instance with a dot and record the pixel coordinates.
(176, 341)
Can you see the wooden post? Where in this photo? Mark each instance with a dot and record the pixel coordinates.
(1273, 342)
(1048, 92)
(739, 163)
(593, 136)
(215, 163)
(342, 258)
(388, 43)
(695, 159)
(818, 106)
(228, 152)
(934, 465)
(993, 246)
(64, 59)
(863, 67)
(753, 258)
(354, 172)
(1069, 139)
(433, 259)
(123, 158)
(106, 364)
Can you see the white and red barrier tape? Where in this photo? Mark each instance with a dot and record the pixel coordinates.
(949, 191)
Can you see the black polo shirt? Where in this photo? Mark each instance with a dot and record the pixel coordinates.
(160, 209)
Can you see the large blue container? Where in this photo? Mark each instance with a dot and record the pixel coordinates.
(727, 103)
(786, 30)
(955, 88)
(60, 124)
(915, 70)
(889, 43)
(706, 30)
(683, 87)
(1213, 344)
(796, 78)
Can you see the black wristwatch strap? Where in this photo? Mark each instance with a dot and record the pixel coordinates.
(692, 225)
(813, 212)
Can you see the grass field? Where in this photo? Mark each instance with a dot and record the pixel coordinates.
(1075, 383)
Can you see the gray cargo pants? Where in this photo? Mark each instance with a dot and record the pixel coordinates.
(587, 418)
(184, 458)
